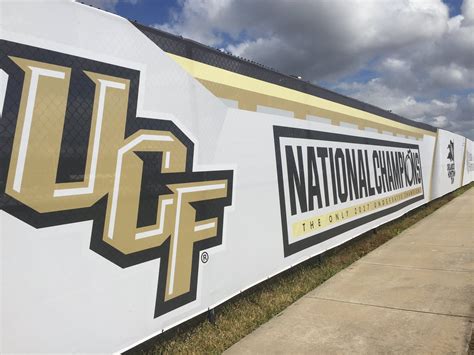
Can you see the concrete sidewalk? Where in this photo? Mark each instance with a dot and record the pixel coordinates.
(414, 294)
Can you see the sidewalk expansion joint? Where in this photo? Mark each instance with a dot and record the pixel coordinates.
(467, 317)
(414, 267)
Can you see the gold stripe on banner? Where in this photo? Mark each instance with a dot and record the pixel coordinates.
(312, 224)
(463, 161)
(249, 100)
(282, 95)
(433, 162)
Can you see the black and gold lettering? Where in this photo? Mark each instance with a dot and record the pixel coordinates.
(76, 151)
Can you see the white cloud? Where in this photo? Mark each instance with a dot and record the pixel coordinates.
(421, 60)
(451, 75)
(455, 112)
(468, 12)
(322, 39)
(440, 121)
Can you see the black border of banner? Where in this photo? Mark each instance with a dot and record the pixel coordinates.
(290, 132)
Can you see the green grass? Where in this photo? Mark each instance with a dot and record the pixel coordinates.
(247, 311)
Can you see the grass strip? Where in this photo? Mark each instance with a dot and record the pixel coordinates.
(244, 313)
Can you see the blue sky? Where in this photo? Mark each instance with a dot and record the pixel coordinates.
(147, 12)
(414, 57)
(454, 7)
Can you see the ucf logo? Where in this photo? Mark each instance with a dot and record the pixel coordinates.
(73, 150)
(450, 165)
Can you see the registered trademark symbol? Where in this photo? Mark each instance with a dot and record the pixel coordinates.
(204, 257)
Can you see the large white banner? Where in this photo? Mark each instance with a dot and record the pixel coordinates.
(448, 163)
(132, 199)
(468, 174)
